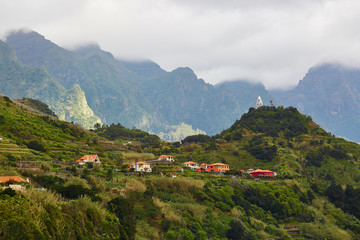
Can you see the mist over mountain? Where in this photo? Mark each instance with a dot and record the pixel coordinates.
(134, 93)
(330, 93)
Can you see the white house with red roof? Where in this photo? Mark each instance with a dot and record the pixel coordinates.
(141, 167)
(192, 165)
(166, 158)
(89, 159)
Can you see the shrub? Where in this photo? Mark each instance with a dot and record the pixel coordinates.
(315, 158)
(36, 145)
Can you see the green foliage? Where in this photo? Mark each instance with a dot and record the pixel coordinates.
(38, 105)
(259, 149)
(123, 208)
(8, 191)
(119, 132)
(271, 121)
(40, 215)
(36, 145)
(74, 191)
(200, 138)
(315, 158)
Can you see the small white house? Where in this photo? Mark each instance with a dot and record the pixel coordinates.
(166, 158)
(192, 165)
(141, 167)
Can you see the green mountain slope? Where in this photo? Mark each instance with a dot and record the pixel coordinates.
(330, 94)
(183, 98)
(284, 140)
(304, 202)
(38, 105)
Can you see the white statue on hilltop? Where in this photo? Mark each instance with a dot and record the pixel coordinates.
(259, 102)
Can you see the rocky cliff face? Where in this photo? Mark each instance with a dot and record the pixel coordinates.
(73, 107)
(18, 81)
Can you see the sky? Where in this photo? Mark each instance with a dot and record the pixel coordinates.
(270, 41)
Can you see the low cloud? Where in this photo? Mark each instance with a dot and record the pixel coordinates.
(274, 42)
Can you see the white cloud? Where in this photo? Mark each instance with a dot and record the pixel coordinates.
(274, 42)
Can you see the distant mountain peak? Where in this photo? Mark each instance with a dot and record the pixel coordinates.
(23, 32)
(184, 69)
(27, 36)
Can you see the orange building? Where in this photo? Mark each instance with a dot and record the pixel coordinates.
(217, 168)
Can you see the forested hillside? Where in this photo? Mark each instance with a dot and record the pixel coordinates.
(314, 194)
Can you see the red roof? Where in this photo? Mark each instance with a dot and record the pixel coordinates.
(190, 162)
(165, 156)
(260, 170)
(88, 157)
(140, 163)
(11, 179)
(219, 164)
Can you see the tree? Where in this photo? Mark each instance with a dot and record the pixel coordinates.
(97, 126)
(36, 146)
(336, 195)
(315, 158)
(123, 208)
(237, 230)
(109, 175)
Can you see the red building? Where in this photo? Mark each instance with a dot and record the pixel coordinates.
(263, 173)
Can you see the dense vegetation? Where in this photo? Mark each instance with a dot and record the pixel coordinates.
(314, 195)
(37, 105)
(118, 132)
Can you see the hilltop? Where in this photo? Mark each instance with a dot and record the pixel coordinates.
(329, 93)
(314, 195)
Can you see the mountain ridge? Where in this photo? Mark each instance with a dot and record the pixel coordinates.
(139, 94)
(330, 94)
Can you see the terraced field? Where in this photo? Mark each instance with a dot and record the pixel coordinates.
(7, 147)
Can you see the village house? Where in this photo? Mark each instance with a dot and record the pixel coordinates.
(202, 167)
(141, 167)
(250, 170)
(166, 158)
(17, 187)
(89, 159)
(263, 173)
(217, 168)
(192, 165)
(12, 179)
